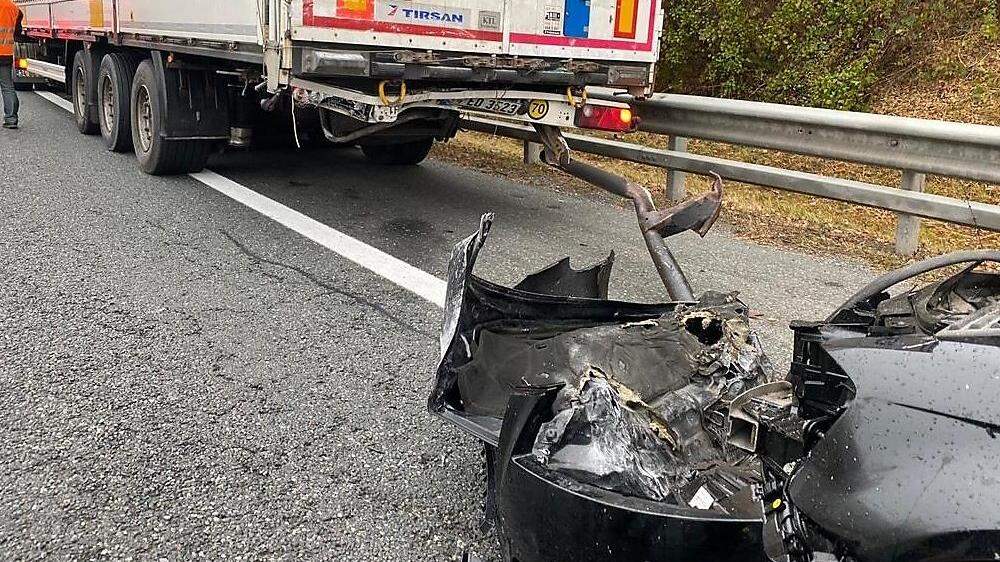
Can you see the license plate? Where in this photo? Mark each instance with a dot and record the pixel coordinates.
(503, 107)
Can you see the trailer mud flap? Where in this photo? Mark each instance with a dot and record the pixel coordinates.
(195, 99)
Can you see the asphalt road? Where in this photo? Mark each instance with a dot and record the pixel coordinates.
(185, 378)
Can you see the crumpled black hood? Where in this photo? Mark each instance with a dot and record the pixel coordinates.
(899, 395)
(627, 431)
(911, 469)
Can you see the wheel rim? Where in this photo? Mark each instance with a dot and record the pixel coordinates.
(144, 111)
(108, 104)
(81, 93)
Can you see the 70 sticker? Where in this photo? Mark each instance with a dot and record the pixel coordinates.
(538, 109)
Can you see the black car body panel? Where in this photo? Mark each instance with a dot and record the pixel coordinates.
(903, 462)
(911, 469)
(545, 515)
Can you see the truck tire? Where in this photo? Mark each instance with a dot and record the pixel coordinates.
(157, 155)
(408, 153)
(81, 90)
(114, 96)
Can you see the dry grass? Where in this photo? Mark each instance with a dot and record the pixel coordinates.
(958, 81)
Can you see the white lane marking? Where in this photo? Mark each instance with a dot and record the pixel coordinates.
(417, 281)
(412, 279)
(65, 104)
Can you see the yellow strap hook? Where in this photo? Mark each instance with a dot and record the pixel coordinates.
(573, 101)
(385, 99)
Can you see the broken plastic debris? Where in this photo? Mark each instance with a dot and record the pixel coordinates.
(702, 499)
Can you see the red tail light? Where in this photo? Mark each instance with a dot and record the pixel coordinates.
(604, 118)
(22, 64)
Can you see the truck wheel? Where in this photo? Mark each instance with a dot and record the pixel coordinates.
(114, 95)
(80, 89)
(159, 156)
(408, 153)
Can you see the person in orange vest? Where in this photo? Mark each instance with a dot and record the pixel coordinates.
(10, 29)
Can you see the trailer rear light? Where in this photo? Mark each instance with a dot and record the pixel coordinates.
(605, 118)
(22, 64)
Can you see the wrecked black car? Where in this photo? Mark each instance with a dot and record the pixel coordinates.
(884, 444)
(626, 431)
(618, 431)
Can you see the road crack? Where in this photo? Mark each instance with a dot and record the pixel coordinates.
(312, 278)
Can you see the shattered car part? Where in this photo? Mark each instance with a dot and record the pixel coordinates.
(765, 403)
(604, 421)
(890, 451)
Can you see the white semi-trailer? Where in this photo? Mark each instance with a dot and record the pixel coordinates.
(174, 80)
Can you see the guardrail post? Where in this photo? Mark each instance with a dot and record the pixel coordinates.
(677, 180)
(908, 226)
(533, 152)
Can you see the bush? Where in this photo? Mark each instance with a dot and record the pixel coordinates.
(991, 23)
(825, 53)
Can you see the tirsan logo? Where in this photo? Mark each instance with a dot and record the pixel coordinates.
(426, 14)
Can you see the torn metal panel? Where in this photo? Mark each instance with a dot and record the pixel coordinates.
(657, 356)
(609, 437)
(463, 259)
(479, 313)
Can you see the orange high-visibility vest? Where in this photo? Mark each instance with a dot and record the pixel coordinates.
(8, 21)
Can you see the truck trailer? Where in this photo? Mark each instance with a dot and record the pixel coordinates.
(176, 81)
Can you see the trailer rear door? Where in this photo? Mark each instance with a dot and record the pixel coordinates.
(612, 30)
(474, 26)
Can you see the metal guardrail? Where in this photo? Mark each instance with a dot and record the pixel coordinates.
(915, 146)
(941, 148)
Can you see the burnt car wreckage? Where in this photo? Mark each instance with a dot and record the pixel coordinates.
(626, 431)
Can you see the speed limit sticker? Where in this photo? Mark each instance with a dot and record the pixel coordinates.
(538, 109)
